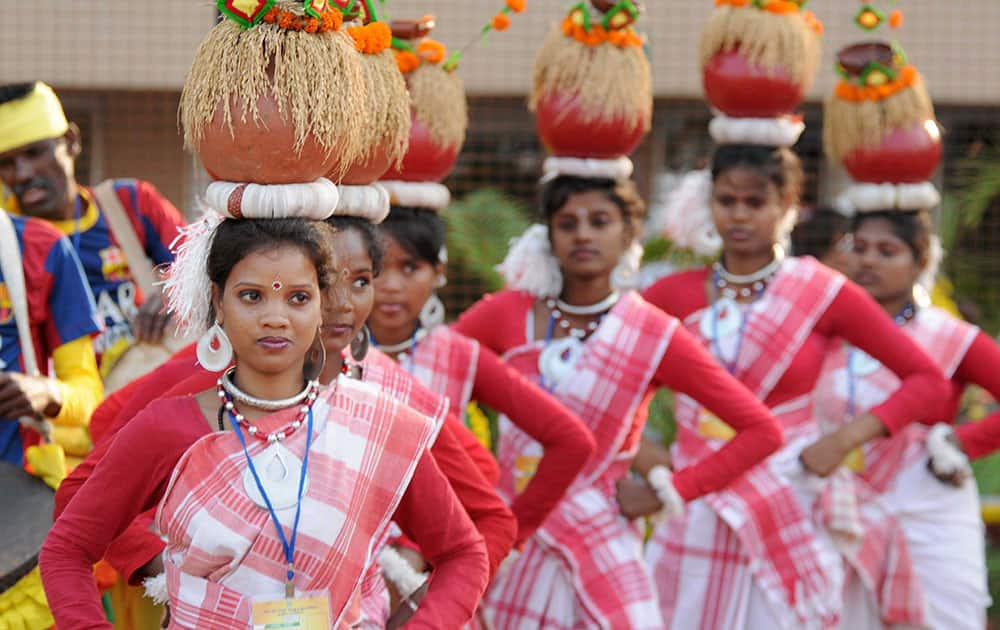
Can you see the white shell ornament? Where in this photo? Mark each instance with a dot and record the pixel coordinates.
(559, 359)
(279, 471)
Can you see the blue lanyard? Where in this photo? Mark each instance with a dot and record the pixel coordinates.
(729, 364)
(288, 546)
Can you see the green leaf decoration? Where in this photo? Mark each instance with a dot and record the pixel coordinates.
(480, 227)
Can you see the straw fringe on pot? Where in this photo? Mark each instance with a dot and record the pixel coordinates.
(766, 39)
(849, 125)
(315, 79)
(388, 105)
(438, 101)
(610, 81)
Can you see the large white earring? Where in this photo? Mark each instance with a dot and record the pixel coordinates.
(432, 314)
(214, 350)
(625, 275)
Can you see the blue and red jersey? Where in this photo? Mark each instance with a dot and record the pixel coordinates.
(60, 309)
(156, 223)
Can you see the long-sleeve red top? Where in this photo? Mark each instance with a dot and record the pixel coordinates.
(566, 441)
(132, 477)
(852, 315)
(499, 322)
(978, 367)
(455, 450)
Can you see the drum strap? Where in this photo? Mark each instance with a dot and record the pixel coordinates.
(13, 274)
(124, 232)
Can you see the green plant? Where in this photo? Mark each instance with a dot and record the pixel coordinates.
(480, 227)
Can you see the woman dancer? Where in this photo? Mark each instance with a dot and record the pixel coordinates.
(770, 320)
(570, 324)
(272, 325)
(893, 252)
(406, 324)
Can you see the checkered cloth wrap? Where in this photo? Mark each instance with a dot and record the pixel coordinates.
(945, 338)
(397, 383)
(584, 568)
(446, 363)
(791, 561)
(222, 548)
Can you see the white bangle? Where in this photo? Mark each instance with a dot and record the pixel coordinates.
(662, 481)
(397, 570)
(946, 458)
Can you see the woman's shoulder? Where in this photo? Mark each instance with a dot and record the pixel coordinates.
(679, 294)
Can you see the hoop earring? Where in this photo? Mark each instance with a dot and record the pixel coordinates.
(625, 275)
(360, 344)
(432, 313)
(214, 350)
(315, 361)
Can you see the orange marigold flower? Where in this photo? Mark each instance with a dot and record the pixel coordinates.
(501, 21)
(380, 33)
(407, 61)
(517, 6)
(813, 22)
(781, 7)
(896, 19)
(432, 51)
(312, 25)
(285, 21)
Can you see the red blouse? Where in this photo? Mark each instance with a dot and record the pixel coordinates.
(499, 322)
(566, 441)
(852, 315)
(978, 367)
(132, 478)
(454, 450)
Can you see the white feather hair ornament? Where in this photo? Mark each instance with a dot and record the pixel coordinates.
(188, 287)
(530, 266)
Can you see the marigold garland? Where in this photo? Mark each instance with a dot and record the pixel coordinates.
(597, 35)
(371, 39)
(517, 6)
(501, 22)
(407, 61)
(856, 94)
(431, 51)
(896, 19)
(780, 7)
(330, 20)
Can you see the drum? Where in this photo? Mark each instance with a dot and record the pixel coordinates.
(27, 509)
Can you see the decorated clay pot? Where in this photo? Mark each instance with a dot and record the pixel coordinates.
(372, 169)
(741, 90)
(260, 151)
(905, 156)
(425, 160)
(564, 130)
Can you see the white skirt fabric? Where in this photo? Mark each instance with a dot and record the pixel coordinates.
(946, 538)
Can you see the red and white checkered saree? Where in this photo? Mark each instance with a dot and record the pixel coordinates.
(584, 568)
(223, 549)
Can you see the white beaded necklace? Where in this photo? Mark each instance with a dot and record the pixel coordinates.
(752, 283)
(227, 384)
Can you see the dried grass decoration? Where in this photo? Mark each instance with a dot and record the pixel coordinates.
(440, 117)
(271, 104)
(778, 41)
(592, 90)
(386, 105)
(880, 119)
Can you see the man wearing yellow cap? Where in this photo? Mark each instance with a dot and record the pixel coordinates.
(38, 148)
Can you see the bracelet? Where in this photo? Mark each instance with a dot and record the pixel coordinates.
(662, 481)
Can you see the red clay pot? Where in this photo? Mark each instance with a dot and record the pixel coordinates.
(260, 151)
(561, 127)
(425, 160)
(741, 90)
(906, 156)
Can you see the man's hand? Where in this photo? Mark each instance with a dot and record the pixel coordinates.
(36, 396)
(150, 323)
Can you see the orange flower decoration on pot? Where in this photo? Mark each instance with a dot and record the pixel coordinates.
(501, 22)
(431, 51)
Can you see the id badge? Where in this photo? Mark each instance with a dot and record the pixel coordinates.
(309, 612)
